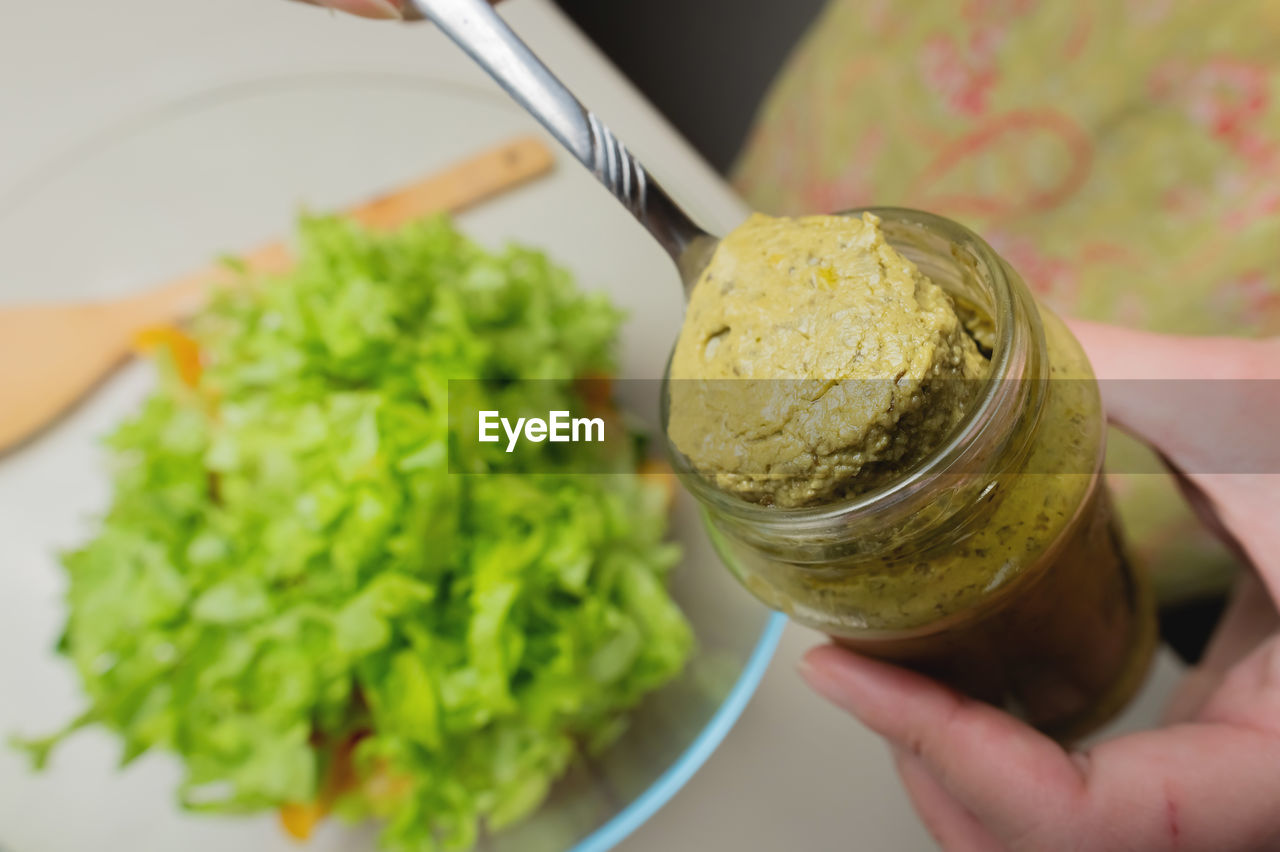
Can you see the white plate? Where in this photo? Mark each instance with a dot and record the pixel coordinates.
(162, 194)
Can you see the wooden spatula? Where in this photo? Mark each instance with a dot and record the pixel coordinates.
(52, 355)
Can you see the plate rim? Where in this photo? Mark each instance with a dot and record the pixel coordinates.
(27, 185)
(661, 791)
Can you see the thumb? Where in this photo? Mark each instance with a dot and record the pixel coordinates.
(1249, 695)
(1211, 407)
(1209, 404)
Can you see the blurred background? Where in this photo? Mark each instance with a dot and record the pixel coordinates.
(706, 65)
(1135, 185)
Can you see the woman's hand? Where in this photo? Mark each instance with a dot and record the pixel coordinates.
(381, 9)
(1209, 779)
(389, 10)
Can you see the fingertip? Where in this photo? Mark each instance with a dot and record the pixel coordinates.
(383, 10)
(1116, 352)
(816, 671)
(821, 669)
(1121, 353)
(819, 658)
(862, 686)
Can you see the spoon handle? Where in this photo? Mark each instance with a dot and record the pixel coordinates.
(475, 27)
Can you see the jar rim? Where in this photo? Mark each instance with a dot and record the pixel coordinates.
(1008, 363)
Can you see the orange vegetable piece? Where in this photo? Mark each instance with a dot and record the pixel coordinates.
(596, 390)
(385, 787)
(658, 471)
(300, 820)
(182, 348)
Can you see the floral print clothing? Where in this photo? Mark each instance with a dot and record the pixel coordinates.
(1123, 155)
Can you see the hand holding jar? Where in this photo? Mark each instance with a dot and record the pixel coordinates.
(1210, 779)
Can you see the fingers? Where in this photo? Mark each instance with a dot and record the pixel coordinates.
(1193, 787)
(1250, 618)
(1125, 353)
(955, 829)
(1012, 777)
(1208, 403)
(1249, 695)
(377, 9)
(1204, 786)
(397, 10)
(1211, 406)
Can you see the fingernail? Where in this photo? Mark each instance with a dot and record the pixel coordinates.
(384, 9)
(851, 682)
(818, 678)
(378, 9)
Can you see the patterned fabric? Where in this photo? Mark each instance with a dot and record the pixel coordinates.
(1123, 155)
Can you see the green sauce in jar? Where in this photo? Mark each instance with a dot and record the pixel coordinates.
(988, 556)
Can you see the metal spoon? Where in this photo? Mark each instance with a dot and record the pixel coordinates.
(475, 27)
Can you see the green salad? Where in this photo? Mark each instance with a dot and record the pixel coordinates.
(292, 593)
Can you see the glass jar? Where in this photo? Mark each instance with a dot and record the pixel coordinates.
(994, 565)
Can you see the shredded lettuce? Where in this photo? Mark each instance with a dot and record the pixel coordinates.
(292, 593)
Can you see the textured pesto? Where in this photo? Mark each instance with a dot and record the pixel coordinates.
(1028, 602)
(1022, 520)
(815, 362)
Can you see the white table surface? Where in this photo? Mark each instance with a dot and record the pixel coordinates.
(794, 773)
